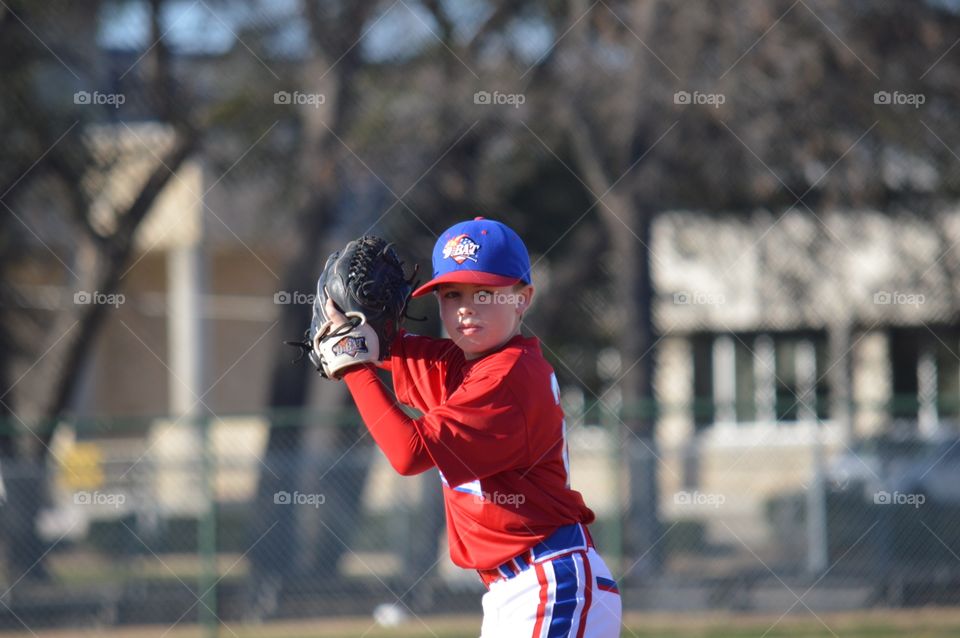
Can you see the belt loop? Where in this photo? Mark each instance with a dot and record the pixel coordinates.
(587, 536)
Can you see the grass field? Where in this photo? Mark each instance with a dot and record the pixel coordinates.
(918, 623)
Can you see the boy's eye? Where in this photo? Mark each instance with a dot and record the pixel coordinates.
(451, 294)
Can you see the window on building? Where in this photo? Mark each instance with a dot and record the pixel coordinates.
(759, 377)
(925, 370)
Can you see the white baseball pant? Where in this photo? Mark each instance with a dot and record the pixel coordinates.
(572, 596)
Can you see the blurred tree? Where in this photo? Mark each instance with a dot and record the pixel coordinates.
(50, 146)
(628, 97)
(388, 131)
(330, 68)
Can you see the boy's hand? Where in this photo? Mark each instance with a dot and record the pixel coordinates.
(337, 318)
(364, 279)
(345, 341)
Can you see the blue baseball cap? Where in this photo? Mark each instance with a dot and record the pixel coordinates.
(480, 251)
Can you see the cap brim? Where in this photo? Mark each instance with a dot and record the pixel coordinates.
(466, 277)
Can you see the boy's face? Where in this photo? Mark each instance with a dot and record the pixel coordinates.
(480, 319)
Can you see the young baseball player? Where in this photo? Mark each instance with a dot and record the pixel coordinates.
(493, 427)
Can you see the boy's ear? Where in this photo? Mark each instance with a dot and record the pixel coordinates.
(525, 295)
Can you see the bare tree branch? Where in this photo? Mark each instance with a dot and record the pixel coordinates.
(503, 12)
(79, 207)
(119, 246)
(440, 15)
(586, 153)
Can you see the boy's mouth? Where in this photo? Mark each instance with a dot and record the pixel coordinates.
(468, 328)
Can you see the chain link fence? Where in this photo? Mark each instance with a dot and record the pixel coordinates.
(175, 523)
(168, 522)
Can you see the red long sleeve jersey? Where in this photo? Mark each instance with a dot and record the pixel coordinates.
(493, 427)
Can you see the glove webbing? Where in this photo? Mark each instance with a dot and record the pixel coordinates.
(360, 267)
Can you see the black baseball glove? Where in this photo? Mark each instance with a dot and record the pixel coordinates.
(366, 282)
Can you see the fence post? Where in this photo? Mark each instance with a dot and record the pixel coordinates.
(817, 548)
(207, 534)
(613, 530)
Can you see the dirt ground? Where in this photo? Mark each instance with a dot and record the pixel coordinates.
(915, 623)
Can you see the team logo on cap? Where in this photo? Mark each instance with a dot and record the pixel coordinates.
(461, 248)
(350, 346)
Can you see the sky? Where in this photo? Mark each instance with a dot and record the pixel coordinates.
(210, 27)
